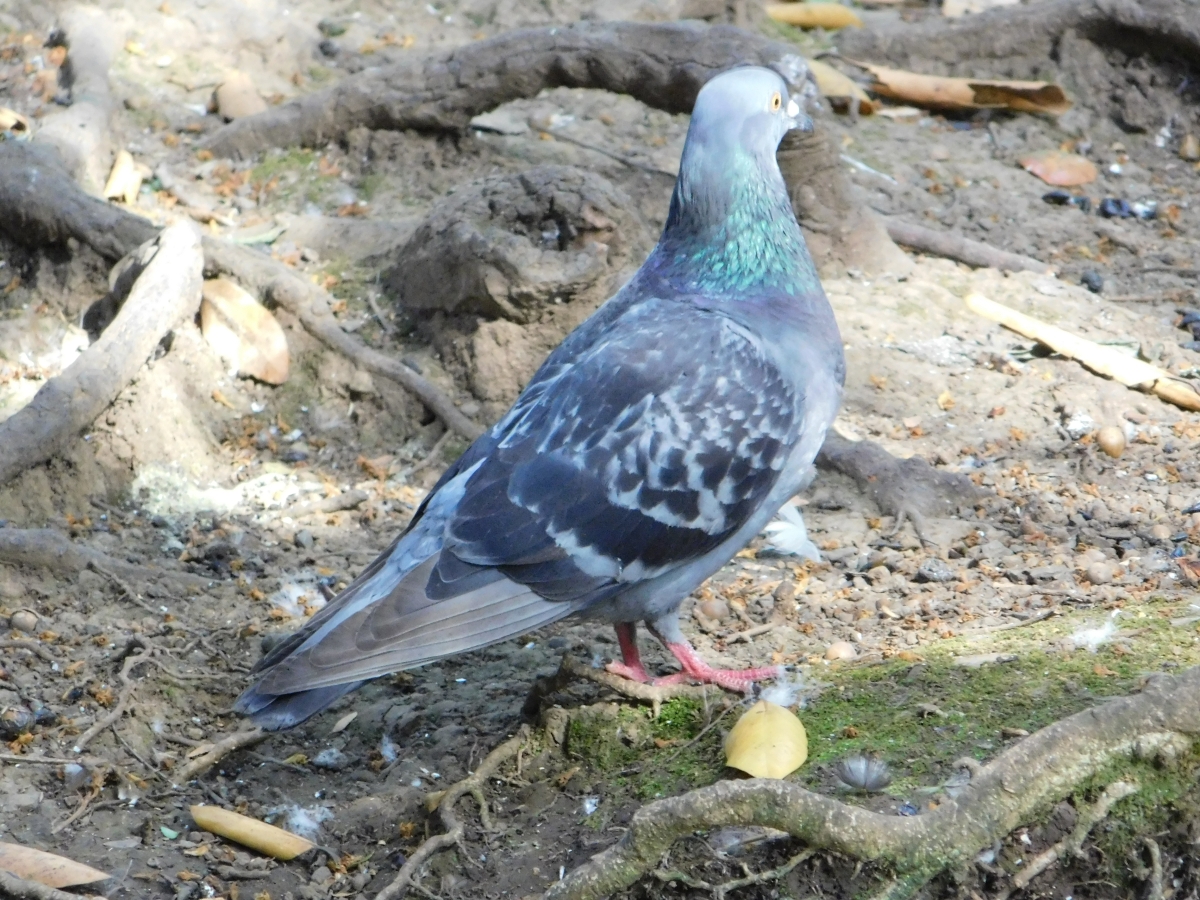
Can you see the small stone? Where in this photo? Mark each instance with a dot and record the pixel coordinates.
(237, 97)
(714, 608)
(321, 874)
(304, 539)
(25, 620)
(1092, 280)
(1111, 440)
(840, 650)
(878, 574)
(332, 759)
(194, 733)
(1100, 573)
(1189, 148)
(935, 570)
(1160, 532)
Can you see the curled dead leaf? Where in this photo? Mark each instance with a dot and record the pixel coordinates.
(814, 15)
(1060, 169)
(938, 92)
(243, 332)
(840, 89)
(768, 741)
(46, 868)
(250, 832)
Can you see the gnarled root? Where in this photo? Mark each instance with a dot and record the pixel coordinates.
(1039, 770)
(473, 785)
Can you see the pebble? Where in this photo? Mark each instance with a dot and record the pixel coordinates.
(935, 570)
(1100, 573)
(714, 608)
(1111, 440)
(304, 539)
(1160, 532)
(25, 620)
(321, 874)
(840, 650)
(331, 759)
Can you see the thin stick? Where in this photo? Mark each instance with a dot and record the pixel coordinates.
(220, 750)
(118, 710)
(954, 246)
(434, 453)
(1103, 360)
(31, 646)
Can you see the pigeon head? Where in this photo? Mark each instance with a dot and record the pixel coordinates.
(730, 227)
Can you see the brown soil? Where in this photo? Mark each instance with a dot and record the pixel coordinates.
(194, 471)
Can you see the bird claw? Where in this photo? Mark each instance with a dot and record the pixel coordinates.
(739, 680)
(633, 673)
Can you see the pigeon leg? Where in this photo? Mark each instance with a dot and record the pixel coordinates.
(632, 667)
(696, 669)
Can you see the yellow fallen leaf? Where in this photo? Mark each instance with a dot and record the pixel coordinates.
(945, 401)
(250, 832)
(840, 89)
(46, 868)
(814, 15)
(768, 741)
(937, 92)
(243, 332)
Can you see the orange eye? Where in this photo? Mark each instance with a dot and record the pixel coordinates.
(776, 102)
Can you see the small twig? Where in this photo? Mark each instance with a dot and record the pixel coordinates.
(219, 751)
(954, 246)
(336, 503)
(31, 646)
(118, 710)
(763, 877)
(387, 326)
(750, 633)
(21, 889)
(52, 760)
(82, 808)
(406, 878)
(433, 455)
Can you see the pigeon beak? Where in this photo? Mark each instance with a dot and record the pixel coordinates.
(796, 118)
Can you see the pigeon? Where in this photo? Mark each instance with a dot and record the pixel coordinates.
(661, 436)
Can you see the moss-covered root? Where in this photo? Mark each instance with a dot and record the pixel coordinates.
(1035, 773)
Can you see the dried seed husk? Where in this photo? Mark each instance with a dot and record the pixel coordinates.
(250, 832)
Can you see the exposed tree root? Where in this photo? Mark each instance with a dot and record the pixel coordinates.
(954, 246)
(1035, 772)
(1089, 818)
(43, 206)
(49, 549)
(473, 785)
(21, 889)
(572, 669)
(663, 65)
(166, 291)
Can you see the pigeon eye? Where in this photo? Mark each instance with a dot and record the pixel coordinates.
(776, 102)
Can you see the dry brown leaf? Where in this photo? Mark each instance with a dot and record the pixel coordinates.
(768, 741)
(250, 832)
(814, 15)
(46, 868)
(937, 92)
(237, 97)
(243, 332)
(11, 120)
(840, 89)
(1061, 169)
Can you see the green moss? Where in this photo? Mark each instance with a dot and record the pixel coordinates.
(283, 162)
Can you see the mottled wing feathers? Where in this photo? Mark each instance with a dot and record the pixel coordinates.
(652, 449)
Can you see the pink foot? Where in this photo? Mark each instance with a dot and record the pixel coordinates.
(696, 669)
(632, 667)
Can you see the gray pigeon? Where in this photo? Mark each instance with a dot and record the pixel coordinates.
(651, 446)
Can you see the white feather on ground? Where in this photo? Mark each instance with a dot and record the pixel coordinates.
(787, 535)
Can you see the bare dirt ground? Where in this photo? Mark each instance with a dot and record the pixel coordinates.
(1066, 561)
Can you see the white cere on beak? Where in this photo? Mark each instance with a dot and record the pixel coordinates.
(793, 109)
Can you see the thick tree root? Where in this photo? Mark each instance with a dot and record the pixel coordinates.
(49, 549)
(472, 784)
(1034, 773)
(218, 752)
(43, 206)
(663, 65)
(167, 291)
